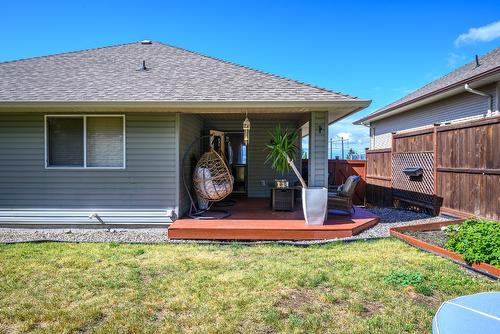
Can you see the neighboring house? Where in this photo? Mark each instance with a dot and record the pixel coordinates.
(437, 148)
(444, 100)
(104, 130)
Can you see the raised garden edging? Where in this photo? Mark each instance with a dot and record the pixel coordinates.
(398, 232)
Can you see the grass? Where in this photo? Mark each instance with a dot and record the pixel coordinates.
(375, 287)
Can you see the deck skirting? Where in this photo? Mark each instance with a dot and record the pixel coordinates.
(253, 220)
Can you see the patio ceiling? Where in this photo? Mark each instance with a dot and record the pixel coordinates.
(301, 117)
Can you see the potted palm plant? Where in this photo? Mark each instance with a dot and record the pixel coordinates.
(282, 152)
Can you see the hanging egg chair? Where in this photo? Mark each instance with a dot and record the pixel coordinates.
(212, 179)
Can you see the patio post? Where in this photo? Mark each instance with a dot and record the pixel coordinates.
(318, 149)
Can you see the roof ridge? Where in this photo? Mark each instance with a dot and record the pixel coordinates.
(257, 70)
(451, 72)
(395, 104)
(67, 52)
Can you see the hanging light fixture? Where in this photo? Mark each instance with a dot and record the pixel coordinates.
(246, 129)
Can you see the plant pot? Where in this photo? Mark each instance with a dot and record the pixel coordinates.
(314, 204)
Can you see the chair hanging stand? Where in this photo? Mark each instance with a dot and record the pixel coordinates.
(212, 182)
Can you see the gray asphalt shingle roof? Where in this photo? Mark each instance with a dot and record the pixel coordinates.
(111, 74)
(488, 63)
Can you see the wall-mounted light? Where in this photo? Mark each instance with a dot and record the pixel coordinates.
(320, 129)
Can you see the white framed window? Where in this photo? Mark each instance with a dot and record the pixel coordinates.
(85, 141)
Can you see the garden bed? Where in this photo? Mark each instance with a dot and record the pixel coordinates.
(430, 237)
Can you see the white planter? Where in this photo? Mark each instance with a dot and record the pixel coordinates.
(314, 203)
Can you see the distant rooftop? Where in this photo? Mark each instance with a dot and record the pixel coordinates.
(488, 64)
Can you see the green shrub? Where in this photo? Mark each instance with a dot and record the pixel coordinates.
(477, 240)
(406, 278)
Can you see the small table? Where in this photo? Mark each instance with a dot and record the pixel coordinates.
(282, 199)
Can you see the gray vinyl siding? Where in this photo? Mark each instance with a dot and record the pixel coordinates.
(455, 107)
(191, 128)
(148, 182)
(260, 136)
(318, 149)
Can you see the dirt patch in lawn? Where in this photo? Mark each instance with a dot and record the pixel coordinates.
(430, 301)
(295, 299)
(371, 308)
(97, 320)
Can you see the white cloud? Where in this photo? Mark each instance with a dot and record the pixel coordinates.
(358, 135)
(345, 135)
(485, 33)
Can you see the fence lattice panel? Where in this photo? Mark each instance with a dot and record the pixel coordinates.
(419, 190)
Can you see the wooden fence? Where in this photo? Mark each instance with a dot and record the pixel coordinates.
(379, 177)
(461, 164)
(340, 170)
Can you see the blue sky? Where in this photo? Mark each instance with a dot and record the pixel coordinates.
(375, 50)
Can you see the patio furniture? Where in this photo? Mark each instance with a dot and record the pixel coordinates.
(282, 199)
(212, 179)
(341, 200)
(332, 187)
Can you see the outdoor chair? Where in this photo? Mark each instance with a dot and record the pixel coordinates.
(341, 200)
(332, 187)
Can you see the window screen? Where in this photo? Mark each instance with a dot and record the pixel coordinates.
(65, 141)
(104, 141)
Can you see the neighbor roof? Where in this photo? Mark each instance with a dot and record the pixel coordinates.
(489, 65)
(173, 74)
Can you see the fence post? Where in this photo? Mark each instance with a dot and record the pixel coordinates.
(435, 148)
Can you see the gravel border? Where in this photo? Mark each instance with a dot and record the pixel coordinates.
(392, 217)
(389, 217)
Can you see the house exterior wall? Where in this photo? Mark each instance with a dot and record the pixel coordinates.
(149, 180)
(318, 149)
(258, 169)
(190, 129)
(453, 108)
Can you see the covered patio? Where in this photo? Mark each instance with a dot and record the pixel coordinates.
(251, 216)
(253, 219)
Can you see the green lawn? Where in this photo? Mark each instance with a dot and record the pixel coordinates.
(362, 287)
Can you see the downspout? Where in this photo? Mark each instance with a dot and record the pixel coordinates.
(490, 98)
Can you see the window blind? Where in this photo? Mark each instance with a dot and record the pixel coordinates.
(65, 141)
(105, 141)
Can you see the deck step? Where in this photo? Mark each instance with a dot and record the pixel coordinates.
(279, 228)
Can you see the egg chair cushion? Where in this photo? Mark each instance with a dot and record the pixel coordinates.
(212, 179)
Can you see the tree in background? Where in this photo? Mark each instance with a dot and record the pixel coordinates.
(350, 154)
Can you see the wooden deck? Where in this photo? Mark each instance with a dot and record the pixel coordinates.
(252, 219)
